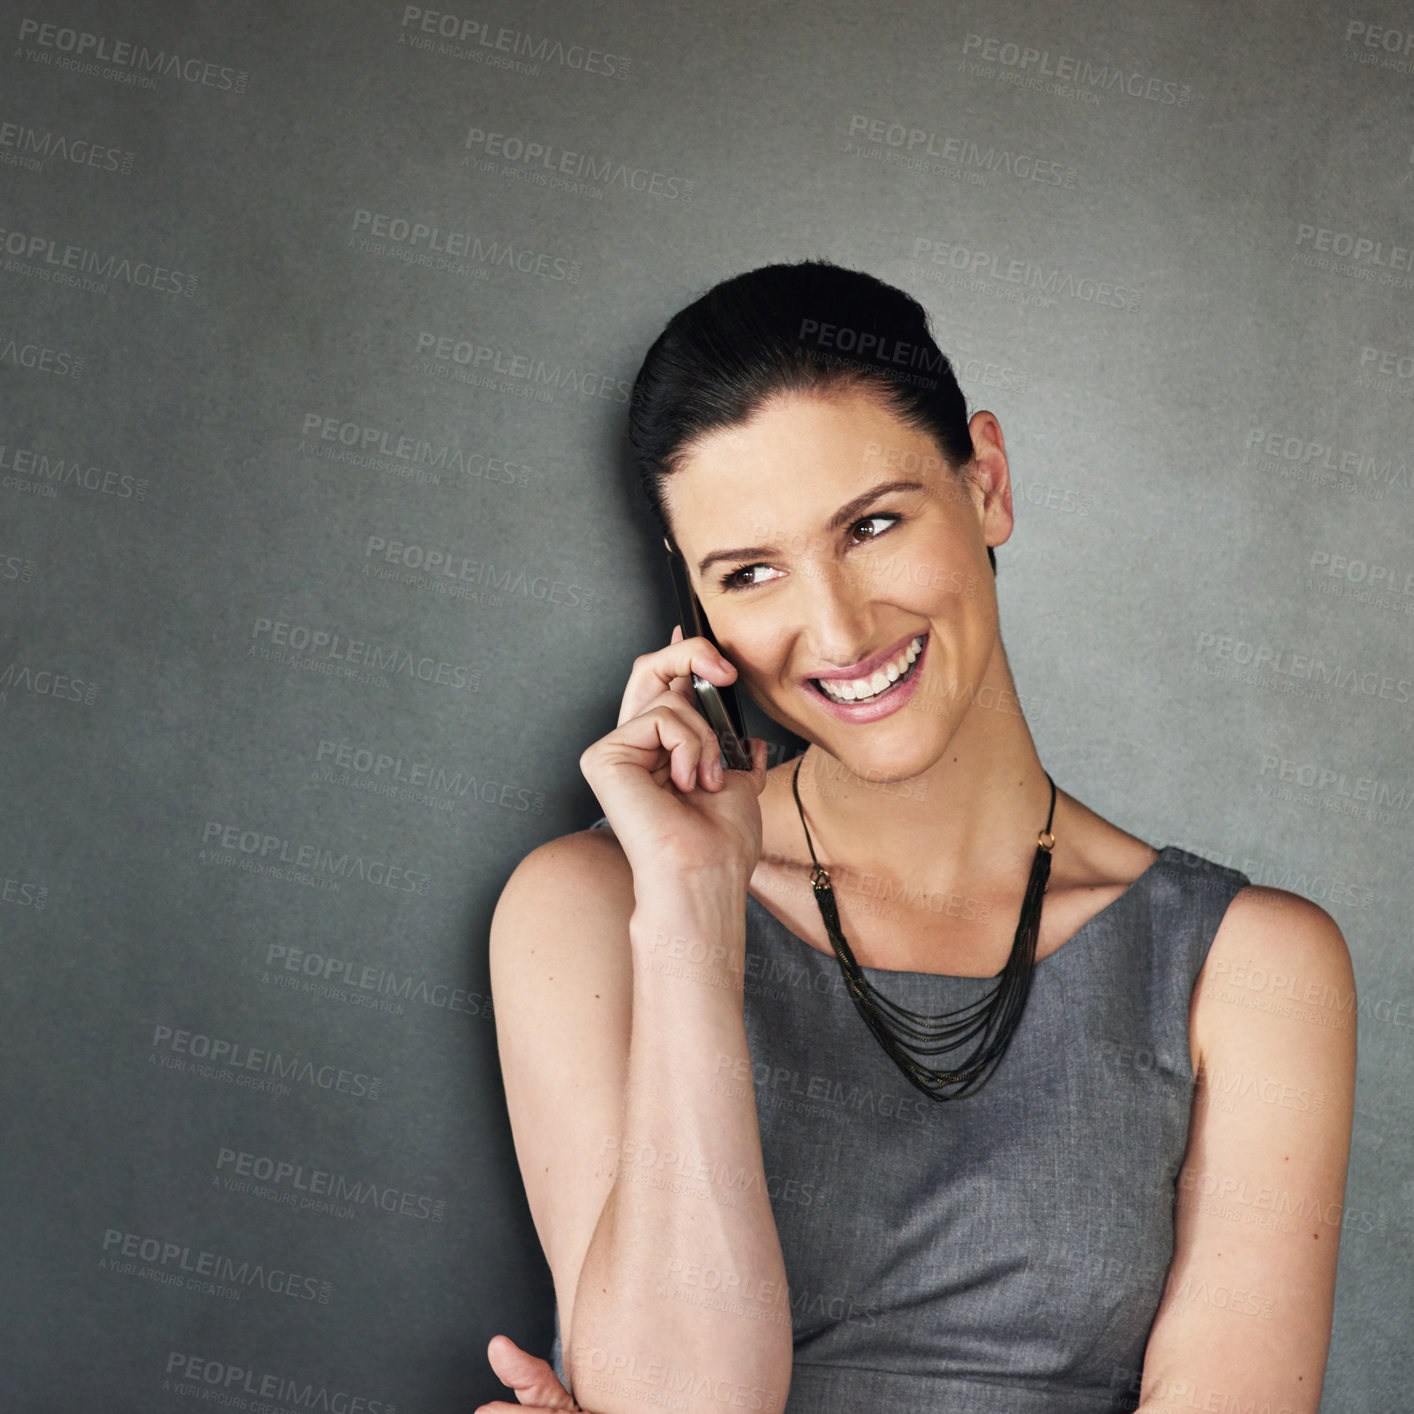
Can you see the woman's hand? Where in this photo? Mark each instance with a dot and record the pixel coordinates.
(657, 775)
(533, 1380)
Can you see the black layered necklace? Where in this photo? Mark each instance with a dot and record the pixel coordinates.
(990, 1021)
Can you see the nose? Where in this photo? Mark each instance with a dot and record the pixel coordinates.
(838, 614)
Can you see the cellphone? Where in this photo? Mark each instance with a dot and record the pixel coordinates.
(720, 705)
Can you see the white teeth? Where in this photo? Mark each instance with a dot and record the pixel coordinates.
(863, 688)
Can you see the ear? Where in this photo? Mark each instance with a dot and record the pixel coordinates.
(991, 472)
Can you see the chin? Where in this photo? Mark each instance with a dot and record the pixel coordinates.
(883, 767)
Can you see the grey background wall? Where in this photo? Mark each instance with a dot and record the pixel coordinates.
(320, 565)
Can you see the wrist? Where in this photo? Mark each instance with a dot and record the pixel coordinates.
(703, 942)
(694, 901)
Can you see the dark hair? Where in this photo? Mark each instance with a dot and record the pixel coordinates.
(811, 326)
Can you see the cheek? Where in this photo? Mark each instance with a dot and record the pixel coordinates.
(942, 587)
(927, 565)
(755, 658)
(962, 612)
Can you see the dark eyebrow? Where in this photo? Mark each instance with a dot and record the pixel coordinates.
(844, 516)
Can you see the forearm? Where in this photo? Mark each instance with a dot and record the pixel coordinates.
(683, 1288)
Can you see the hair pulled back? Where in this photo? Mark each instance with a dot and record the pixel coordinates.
(807, 327)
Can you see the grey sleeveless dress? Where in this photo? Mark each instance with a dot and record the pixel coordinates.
(1004, 1253)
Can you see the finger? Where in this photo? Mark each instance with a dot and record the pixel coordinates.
(532, 1378)
(687, 656)
(671, 669)
(693, 743)
(760, 755)
(670, 726)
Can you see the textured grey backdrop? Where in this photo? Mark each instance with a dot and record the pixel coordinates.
(319, 567)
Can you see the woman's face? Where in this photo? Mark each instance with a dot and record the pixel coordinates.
(823, 537)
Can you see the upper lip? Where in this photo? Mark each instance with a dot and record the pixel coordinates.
(870, 665)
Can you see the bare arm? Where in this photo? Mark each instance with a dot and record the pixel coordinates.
(618, 962)
(1246, 1314)
(683, 1287)
(620, 1031)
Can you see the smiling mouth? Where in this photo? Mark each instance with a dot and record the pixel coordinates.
(873, 689)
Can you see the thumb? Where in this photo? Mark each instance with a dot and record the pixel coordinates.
(532, 1378)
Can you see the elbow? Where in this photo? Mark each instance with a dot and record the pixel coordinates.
(618, 1382)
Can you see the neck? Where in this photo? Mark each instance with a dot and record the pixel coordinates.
(969, 818)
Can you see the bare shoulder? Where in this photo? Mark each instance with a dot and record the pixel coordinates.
(573, 851)
(560, 958)
(582, 875)
(1295, 940)
(1278, 976)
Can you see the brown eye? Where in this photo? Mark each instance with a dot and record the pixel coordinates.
(732, 581)
(867, 519)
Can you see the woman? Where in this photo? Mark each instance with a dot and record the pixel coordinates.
(755, 1186)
